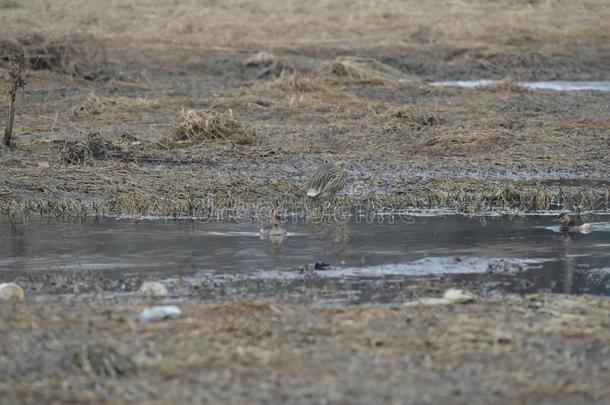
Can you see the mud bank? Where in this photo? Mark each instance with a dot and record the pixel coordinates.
(406, 146)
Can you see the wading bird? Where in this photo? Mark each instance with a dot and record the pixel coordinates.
(273, 228)
(327, 181)
(572, 223)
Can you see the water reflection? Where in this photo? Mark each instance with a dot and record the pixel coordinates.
(17, 239)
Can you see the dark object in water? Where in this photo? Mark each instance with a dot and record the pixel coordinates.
(321, 266)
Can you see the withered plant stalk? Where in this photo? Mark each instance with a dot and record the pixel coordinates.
(16, 81)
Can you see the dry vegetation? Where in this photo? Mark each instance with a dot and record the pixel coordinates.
(322, 23)
(328, 81)
(197, 127)
(538, 348)
(76, 55)
(94, 147)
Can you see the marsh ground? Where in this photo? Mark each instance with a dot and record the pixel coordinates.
(543, 348)
(126, 69)
(407, 143)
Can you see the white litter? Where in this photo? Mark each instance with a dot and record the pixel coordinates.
(160, 313)
(452, 295)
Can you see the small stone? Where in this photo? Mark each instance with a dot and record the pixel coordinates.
(153, 289)
(11, 291)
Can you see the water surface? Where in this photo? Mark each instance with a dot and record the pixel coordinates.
(382, 247)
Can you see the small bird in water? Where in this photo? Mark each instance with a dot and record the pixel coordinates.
(327, 181)
(572, 223)
(273, 228)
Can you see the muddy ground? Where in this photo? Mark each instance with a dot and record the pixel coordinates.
(103, 128)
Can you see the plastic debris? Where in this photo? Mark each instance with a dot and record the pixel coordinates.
(11, 291)
(160, 313)
(451, 296)
(461, 296)
(153, 289)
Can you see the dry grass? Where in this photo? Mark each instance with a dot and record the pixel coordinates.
(323, 23)
(364, 71)
(77, 55)
(296, 83)
(199, 126)
(95, 147)
(414, 118)
(455, 143)
(514, 348)
(94, 104)
(393, 130)
(197, 194)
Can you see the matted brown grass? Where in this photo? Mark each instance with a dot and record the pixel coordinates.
(511, 349)
(95, 147)
(78, 55)
(199, 126)
(364, 70)
(322, 24)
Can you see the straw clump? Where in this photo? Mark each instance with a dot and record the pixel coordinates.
(198, 126)
(365, 70)
(95, 147)
(92, 105)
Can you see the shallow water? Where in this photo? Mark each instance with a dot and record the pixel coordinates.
(385, 247)
(548, 85)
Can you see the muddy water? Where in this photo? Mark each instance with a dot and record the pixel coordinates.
(526, 247)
